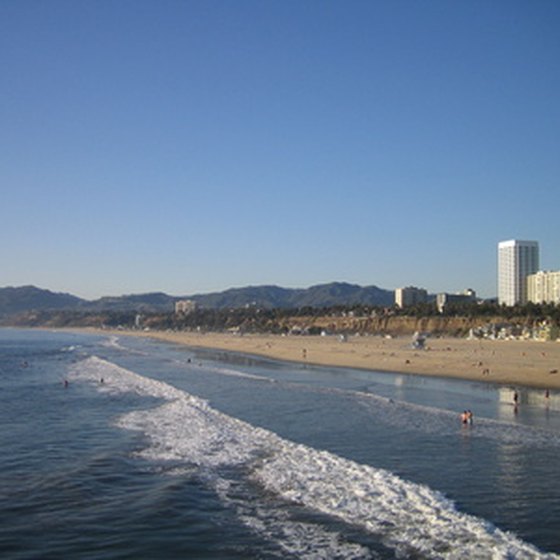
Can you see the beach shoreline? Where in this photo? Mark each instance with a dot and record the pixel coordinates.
(523, 363)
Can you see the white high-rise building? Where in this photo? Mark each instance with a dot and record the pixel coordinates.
(516, 260)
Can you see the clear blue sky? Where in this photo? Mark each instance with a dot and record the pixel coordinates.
(192, 146)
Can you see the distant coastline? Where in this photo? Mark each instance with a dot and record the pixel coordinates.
(507, 362)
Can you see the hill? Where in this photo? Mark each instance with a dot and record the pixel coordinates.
(156, 302)
(274, 297)
(25, 299)
(270, 297)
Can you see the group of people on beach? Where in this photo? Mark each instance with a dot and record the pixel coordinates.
(467, 417)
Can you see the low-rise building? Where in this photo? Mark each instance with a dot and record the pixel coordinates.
(410, 296)
(544, 287)
(443, 299)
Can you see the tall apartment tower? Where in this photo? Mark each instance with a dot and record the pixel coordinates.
(516, 260)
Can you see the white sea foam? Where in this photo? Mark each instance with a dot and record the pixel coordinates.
(409, 518)
(113, 341)
(220, 370)
(297, 538)
(235, 373)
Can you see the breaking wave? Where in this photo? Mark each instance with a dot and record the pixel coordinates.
(408, 518)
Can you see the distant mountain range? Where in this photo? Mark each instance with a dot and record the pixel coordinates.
(322, 295)
(30, 298)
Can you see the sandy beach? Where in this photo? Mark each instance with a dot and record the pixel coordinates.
(507, 362)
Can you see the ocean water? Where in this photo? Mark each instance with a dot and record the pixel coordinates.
(157, 451)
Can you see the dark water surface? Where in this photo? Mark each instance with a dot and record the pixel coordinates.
(153, 450)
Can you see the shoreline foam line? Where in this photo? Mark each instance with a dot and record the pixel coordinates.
(407, 517)
(521, 363)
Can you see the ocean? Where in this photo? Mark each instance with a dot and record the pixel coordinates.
(121, 447)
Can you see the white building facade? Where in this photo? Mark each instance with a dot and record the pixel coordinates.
(544, 287)
(516, 261)
(410, 296)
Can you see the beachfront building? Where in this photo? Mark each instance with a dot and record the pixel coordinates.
(410, 296)
(443, 300)
(516, 261)
(185, 306)
(544, 287)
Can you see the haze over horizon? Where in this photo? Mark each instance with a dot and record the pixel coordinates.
(192, 146)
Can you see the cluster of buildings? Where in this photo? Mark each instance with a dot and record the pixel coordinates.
(520, 280)
(405, 297)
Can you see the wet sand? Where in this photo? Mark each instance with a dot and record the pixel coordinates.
(507, 362)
